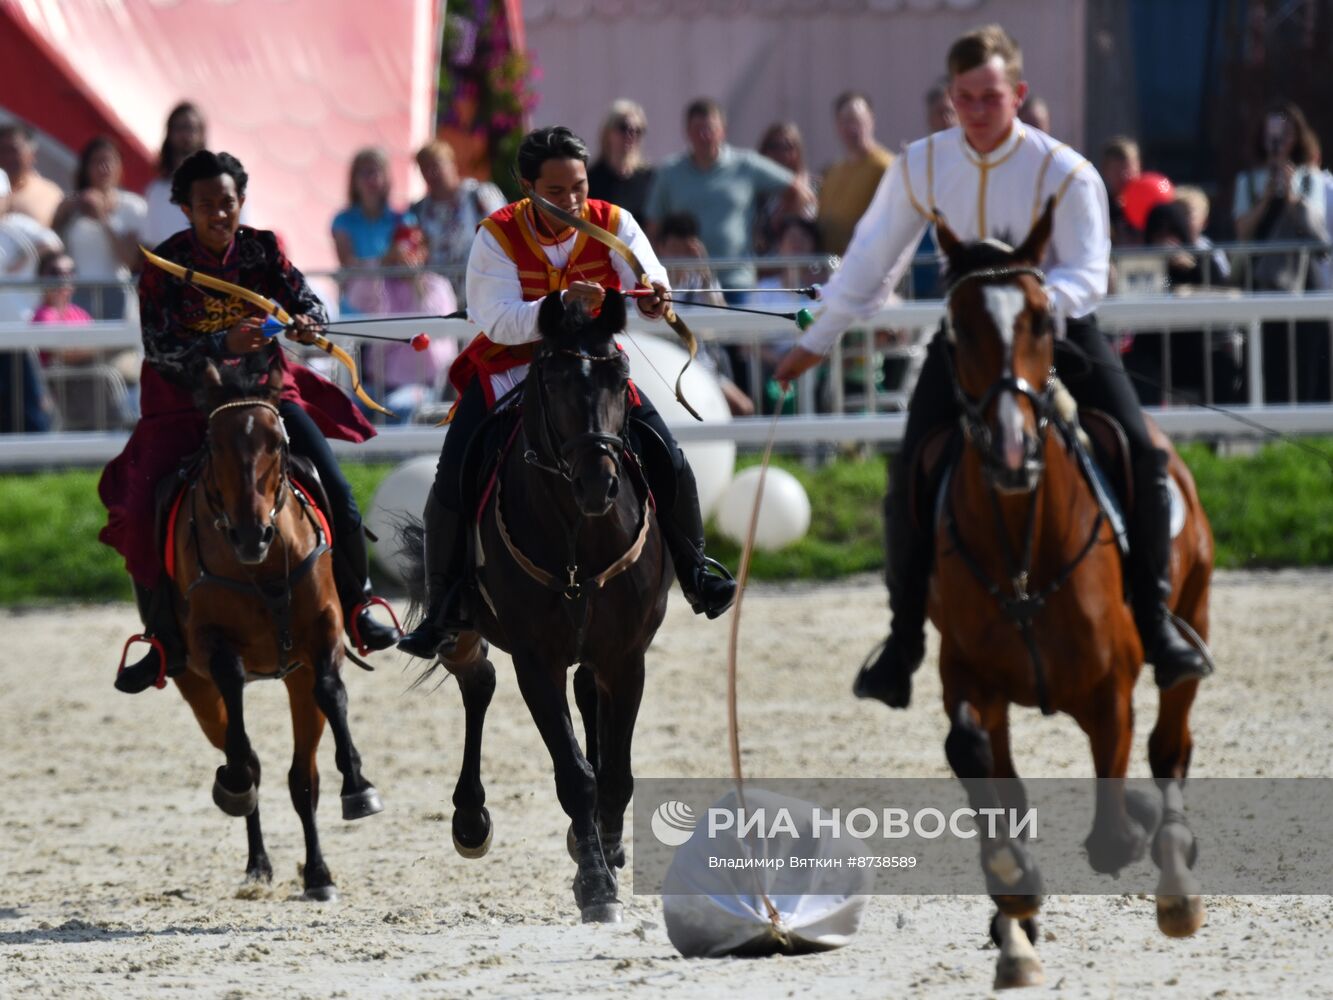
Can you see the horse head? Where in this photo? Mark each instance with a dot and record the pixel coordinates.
(576, 399)
(245, 474)
(1000, 333)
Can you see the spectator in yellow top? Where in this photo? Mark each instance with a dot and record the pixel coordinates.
(31, 194)
(850, 184)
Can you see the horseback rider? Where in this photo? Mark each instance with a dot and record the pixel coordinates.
(185, 325)
(990, 177)
(519, 257)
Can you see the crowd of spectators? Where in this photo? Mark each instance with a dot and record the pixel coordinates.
(716, 209)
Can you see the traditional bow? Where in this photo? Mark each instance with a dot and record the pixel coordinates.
(270, 308)
(616, 244)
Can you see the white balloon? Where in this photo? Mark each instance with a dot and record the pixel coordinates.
(784, 515)
(402, 493)
(713, 462)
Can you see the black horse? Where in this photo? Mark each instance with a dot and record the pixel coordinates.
(570, 568)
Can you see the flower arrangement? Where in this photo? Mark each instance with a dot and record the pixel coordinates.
(486, 85)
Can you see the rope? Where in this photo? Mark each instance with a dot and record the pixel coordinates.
(742, 577)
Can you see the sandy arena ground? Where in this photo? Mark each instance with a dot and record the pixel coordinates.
(121, 878)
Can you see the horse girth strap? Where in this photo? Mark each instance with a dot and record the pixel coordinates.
(614, 243)
(573, 587)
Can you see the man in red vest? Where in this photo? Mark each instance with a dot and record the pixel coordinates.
(521, 256)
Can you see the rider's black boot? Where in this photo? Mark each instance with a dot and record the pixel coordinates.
(351, 575)
(162, 631)
(1173, 658)
(707, 585)
(907, 573)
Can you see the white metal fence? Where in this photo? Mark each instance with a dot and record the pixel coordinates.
(1246, 314)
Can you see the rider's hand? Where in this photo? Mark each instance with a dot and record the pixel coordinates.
(655, 305)
(304, 329)
(795, 363)
(246, 336)
(587, 293)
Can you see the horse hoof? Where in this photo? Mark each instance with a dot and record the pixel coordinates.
(361, 804)
(260, 874)
(1017, 972)
(321, 894)
(470, 851)
(234, 803)
(1179, 916)
(602, 913)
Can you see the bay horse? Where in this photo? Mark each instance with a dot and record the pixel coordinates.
(570, 568)
(256, 599)
(1028, 595)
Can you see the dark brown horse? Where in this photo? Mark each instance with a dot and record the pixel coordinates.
(1029, 599)
(253, 572)
(571, 568)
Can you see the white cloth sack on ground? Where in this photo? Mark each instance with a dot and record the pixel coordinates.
(712, 912)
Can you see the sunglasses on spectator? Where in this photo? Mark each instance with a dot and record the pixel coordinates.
(629, 129)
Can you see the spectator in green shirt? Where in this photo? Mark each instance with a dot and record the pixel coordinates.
(721, 186)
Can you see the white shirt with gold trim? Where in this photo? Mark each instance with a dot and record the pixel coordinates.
(998, 195)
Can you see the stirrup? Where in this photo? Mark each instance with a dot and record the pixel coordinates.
(1201, 664)
(156, 643)
(355, 628)
(694, 595)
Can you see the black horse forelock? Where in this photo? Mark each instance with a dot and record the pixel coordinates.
(571, 327)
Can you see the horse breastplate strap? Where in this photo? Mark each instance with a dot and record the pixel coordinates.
(573, 587)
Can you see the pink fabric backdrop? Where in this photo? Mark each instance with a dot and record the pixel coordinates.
(292, 87)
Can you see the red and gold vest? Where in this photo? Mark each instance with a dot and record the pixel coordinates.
(513, 228)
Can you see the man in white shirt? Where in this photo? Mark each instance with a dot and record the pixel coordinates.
(520, 258)
(990, 178)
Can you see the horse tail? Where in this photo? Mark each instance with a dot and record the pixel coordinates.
(411, 534)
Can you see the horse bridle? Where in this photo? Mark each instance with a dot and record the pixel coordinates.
(973, 418)
(213, 499)
(567, 454)
(1022, 604)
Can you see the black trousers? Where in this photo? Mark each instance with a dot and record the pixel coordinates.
(308, 441)
(469, 416)
(1102, 385)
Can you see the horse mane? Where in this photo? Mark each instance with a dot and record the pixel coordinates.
(574, 328)
(977, 256)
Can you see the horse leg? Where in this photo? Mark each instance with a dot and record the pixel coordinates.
(1005, 861)
(619, 696)
(1118, 835)
(1174, 849)
(303, 784)
(543, 688)
(234, 788)
(585, 696)
(359, 797)
(211, 714)
(476, 681)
